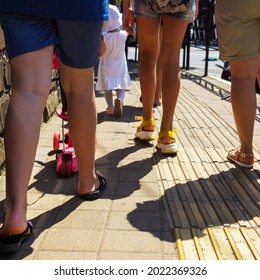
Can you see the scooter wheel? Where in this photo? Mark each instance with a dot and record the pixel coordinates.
(63, 169)
(56, 141)
(66, 169)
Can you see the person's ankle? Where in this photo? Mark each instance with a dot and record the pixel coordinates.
(88, 185)
(247, 151)
(246, 157)
(14, 222)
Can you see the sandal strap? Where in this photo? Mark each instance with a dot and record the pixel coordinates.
(244, 155)
(144, 124)
(148, 123)
(238, 153)
(167, 133)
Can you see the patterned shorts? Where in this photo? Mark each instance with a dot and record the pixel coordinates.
(142, 8)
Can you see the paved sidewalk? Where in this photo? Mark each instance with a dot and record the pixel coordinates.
(193, 206)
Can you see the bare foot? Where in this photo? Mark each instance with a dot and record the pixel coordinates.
(95, 189)
(89, 184)
(148, 128)
(13, 224)
(167, 140)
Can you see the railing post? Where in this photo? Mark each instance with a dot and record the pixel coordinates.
(188, 46)
(208, 32)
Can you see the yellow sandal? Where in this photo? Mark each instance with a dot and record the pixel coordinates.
(234, 155)
(170, 148)
(145, 135)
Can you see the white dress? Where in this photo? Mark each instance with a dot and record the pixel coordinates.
(112, 69)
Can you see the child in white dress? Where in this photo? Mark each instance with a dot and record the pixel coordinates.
(112, 69)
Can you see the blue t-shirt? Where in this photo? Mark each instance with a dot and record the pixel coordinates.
(78, 10)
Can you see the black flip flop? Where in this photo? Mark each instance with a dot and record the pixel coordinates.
(97, 193)
(12, 243)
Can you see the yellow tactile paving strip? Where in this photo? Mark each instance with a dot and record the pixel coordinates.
(212, 207)
(216, 243)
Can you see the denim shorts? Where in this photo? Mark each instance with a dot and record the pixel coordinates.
(141, 8)
(77, 43)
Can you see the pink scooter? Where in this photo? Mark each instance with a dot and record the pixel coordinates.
(66, 162)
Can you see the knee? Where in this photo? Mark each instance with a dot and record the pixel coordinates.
(241, 70)
(170, 65)
(149, 56)
(241, 74)
(149, 52)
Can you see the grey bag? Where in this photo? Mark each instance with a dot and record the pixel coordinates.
(168, 6)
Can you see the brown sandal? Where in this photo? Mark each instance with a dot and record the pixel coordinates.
(234, 155)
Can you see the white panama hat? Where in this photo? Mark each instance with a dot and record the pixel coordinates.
(115, 19)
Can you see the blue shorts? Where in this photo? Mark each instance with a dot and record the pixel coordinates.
(141, 8)
(77, 43)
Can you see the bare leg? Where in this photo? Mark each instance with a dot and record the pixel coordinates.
(158, 89)
(244, 101)
(120, 93)
(258, 72)
(148, 40)
(109, 98)
(31, 77)
(173, 33)
(78, 85)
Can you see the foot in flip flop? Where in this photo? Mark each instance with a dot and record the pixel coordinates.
(97, 193)
(11, 244)
(242, 159)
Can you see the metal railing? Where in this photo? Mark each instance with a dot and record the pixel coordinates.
(202, 30)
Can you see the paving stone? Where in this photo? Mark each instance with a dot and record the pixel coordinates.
(131, 241)
(194, 205)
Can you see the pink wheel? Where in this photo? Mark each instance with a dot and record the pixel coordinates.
(63, 169)
(68, 170)
(56, 140)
